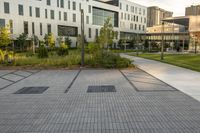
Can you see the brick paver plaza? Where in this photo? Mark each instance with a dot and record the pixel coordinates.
(141, 103)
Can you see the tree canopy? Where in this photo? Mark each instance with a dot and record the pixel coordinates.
(106, 34)
(5, 38)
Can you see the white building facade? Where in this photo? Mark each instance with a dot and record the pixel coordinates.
(63, 17)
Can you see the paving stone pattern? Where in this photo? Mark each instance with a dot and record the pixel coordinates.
(125, 111)
(144, 82)
(9, 77)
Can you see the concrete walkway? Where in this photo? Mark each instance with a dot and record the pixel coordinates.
(185, 80)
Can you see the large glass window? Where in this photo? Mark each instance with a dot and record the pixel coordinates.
(111, 2)
(100, 15)
(67, 31)
(6, 7)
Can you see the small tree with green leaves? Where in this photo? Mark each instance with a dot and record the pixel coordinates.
(35, 42)
(21, 40)
(107, 34)
(51, 40)
(5, 38)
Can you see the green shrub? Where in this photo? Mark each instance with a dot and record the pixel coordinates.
(92, 48)
(63, 50)
(111, 60)
(42, 52)
(107, 60)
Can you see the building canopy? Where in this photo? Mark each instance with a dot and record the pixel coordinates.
(178, 20)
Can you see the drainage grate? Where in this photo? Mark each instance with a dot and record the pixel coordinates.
(102, 88)
(32, 90)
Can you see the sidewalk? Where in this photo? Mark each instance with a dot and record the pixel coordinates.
(185, 80)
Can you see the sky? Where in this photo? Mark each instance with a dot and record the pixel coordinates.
(176, 6)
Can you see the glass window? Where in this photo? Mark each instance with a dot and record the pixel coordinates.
(48, 28)
(2, 23)
(100, 15)
(26, 27)
(37, 12)
(89, 9)
(52, 14)
(74, 17)
(65, 16)
(87, 19)
(6, 7)
(21, 10)
(41, 32)
(33, 28)
(46, 13)
(67, 31)
(68, 4)
(58, 3)
(74, 5)
(89, 33)
(30, 11)
(59, 15)
(48, 2)
(62, 3)
(97, 33)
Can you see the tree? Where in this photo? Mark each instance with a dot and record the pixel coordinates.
(46, 39)
(22, 40)
(106, 34)
(35, 42)
(5, 38)
(51, 40)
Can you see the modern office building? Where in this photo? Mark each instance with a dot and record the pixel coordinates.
(155, 15)
(62, 17)
(192, 10)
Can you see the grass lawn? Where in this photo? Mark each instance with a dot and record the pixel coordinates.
(190, 61)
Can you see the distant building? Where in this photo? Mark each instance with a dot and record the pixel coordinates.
(178, 32)
(155, 15)
(192, 10)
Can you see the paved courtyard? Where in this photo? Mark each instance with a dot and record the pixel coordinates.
(140, 103)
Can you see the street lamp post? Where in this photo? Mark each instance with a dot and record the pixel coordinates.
(82, 38)
(162, 44)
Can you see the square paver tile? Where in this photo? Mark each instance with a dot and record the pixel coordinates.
(4, 83)
(13, 77)
(23, 73)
